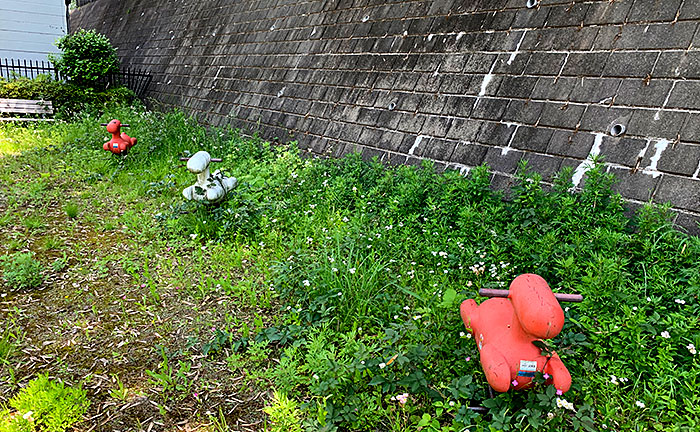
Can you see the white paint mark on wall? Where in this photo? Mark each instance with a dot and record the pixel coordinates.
(487, 80)
(515, 53)
(415, 145)
(659, 148)
(563, 65)
(657, 116)
(505, 150)
(696, 174)
(460, 35)
(588, 163)
(430, 37)
(643, 151)
(463, 169)
(218, 72)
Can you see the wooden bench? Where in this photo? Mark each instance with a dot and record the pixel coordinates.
(26, 106)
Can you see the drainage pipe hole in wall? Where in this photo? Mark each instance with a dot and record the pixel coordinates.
(617, 129)
(532, 3)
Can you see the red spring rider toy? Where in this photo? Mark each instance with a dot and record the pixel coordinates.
(505, 329)
(120, 142)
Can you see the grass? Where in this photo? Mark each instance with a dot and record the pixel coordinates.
(335, 283)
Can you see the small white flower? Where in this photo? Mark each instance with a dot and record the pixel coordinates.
(461, 334)
(192, 236)
(402, 398)
(382, 365)
(691, 348)
(406, 308)
(640, 404)
(452, 403)
(334, 269)
(396, 317)
(665, 335)
(680, 301)
(352, 270)
(416, 318)
(306, 282)
(315, 376)
(550, 415)
(613, 379)
(648, 299)
(563, 403)
(340, 294)
(28, 415)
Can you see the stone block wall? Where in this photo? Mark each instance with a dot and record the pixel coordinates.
(461, 83)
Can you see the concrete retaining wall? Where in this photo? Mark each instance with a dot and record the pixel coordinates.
(461, 83)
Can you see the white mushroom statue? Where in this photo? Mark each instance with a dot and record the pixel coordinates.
(209, 188)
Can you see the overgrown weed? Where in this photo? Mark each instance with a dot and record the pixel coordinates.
(368, 264)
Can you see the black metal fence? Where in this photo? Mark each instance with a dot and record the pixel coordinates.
(133, 79)
(12, 69)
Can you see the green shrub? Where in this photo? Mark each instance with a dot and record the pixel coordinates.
(87, 56)
(44, 405)
(21, 270)
(67, 99)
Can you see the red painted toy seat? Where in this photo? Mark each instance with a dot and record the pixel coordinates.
(505, 328)
(120, 142)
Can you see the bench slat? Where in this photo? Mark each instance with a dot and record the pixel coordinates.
(12, 105)
(25, 119)
(27, 110)
(24, 100)
(8, 107)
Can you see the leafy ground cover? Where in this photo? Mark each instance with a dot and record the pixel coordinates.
(324, 294)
